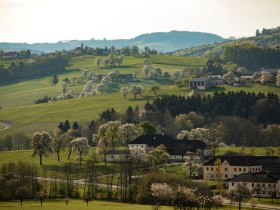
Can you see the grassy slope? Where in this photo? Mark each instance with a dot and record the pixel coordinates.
(16, 99)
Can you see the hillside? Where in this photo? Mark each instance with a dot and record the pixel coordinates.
(160, 41)
(269, 39)
(16, 98)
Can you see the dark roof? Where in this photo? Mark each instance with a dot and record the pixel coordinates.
(118, 152)
(174, 147)
(241, 160)
(201, 79)
(256, 177)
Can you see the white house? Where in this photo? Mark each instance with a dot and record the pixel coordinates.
(261, 184)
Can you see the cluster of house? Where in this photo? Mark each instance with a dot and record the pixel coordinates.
(204, 83)
(176, 149)
(261, 174)
(10, 55)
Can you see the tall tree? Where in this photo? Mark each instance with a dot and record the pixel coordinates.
(54, 80)
(125, 91)
(80, 147)
(240, 195)
(128, 132)
(42, 144)
(155, 89)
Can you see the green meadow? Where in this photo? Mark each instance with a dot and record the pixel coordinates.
(16, 99)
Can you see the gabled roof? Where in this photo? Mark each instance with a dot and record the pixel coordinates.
(257, 177)
(174, 147)
(240, 160)
(201, 79)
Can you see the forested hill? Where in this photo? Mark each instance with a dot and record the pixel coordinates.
(268, 38)
(160, 41)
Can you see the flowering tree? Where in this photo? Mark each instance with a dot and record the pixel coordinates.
(110, 131)
(80, 147)
(128, 132)
(125, 91)
(192, 161)
(162, 191)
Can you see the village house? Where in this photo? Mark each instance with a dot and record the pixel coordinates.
(217, 80)
(261, 184)
(176, 149)
(232, 166)
(117, 155)
(201, 83)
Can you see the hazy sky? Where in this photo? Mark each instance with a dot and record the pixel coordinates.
(53, 20)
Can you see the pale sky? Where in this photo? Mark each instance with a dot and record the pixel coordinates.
(53, 20)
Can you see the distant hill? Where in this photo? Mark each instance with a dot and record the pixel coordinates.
(160, 41)
(267, 38)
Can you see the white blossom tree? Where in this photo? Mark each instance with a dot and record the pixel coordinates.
(266, 77)
(136, 90)
(162, 191)
(80, 147)
(110, 131)
(192, 161)
(128, 132)
(229, 78)
(125, 91)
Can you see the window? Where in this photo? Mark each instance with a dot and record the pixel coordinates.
(244, 169)
(269, 185)
(253, 184)
(239, 169)
(226, 176)
(234, 169)
(263, 185)
(232, 184)
(112, 156)
(263, 192)
(202, 83)
(274, 185)
(142, 146)
(211, 168)
(225, 169)
(207, 169)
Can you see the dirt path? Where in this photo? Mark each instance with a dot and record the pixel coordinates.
(6, 124)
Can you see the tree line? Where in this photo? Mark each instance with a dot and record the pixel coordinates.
(36, 67)
(264, 108)
(251, 56)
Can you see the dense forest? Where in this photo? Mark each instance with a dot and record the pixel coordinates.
(251, 56)
(33, 67)
(264, 108)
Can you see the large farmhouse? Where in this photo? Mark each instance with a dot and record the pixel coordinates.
(177, 149)
(261, 184)
(232, 166)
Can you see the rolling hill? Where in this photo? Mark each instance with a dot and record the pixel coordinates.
(160, 41)
(269, 38)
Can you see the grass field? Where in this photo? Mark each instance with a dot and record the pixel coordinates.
(79, 204)
(75, 204)
(16, 99)
(258, 150)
